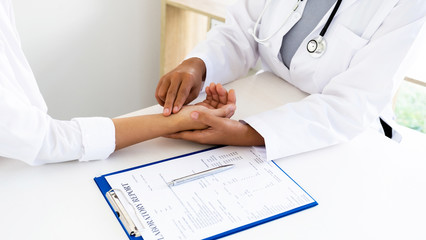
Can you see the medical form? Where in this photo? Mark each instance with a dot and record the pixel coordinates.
(252, 192)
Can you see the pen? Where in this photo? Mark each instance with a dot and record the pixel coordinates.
(198, 175)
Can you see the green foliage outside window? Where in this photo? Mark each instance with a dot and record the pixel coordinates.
(410, 106)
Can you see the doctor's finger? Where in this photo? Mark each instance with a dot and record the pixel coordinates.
(161, 91)
(182, 96)
(194, 136)
(208, 119)
(226, 111)
(171, 97)
(231, 111)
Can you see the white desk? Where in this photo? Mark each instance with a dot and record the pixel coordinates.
(369, 188)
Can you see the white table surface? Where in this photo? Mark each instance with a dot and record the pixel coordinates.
(369, 188)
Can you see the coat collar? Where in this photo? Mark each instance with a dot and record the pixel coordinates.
(275, 16)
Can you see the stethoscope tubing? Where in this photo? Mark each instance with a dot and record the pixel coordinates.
(330, 19)
(253, 32)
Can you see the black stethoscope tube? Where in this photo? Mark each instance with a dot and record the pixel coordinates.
(333, 13)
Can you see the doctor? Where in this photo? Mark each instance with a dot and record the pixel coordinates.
(348, 55)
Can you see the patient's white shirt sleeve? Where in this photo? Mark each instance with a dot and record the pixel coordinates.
(27, 132)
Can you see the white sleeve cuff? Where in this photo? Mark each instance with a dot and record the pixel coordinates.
(98, 137)
(273, 146)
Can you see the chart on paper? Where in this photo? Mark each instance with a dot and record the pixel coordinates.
(254, 190)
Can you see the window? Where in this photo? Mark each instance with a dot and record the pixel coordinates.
(410, 101)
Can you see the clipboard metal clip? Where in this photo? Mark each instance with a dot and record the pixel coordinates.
(122, 214)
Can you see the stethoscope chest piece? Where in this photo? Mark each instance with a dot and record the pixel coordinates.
(316, 47)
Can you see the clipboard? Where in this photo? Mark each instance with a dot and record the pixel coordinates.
(132, 222)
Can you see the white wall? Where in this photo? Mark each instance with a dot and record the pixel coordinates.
(92, 57)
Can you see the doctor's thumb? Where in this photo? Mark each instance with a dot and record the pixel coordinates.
(195, 115)
(205, 118)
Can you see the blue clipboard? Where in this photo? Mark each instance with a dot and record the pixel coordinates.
(133, 233)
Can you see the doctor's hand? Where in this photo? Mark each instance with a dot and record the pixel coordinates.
(221, 131)
(219, 103)
(184, 120)
(181, 85)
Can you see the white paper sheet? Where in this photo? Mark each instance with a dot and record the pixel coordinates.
(253, 190)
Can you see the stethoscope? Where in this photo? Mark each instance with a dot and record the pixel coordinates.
(316, 46)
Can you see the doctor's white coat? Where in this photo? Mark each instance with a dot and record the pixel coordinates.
(350, 86)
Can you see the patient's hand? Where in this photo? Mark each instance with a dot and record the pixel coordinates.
(217, 97)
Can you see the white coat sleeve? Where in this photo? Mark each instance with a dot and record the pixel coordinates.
(229, 50)
(353, 99)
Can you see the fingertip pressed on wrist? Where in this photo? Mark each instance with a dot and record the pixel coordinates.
(176, 109)
(166, 112)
